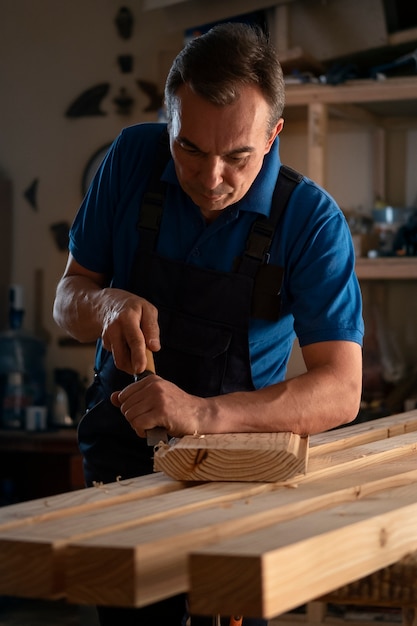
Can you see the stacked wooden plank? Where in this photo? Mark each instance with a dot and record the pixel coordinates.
(252, 548)
(264, 457)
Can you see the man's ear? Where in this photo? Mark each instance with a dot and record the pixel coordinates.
(274, 134)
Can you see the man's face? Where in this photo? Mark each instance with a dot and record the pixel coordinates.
(218, 150)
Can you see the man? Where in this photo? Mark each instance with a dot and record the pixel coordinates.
(210, 271)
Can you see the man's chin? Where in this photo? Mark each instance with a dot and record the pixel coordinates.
(214, 203)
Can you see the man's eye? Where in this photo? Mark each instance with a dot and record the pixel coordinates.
(238, 158)
(188, 148)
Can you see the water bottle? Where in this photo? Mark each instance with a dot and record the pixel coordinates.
(14, 401)
(22, 366)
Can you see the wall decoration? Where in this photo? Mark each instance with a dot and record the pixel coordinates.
(123, 102)
(156, 98)
(124, 22)
(125, 62)
(88, 103)
(31, 194)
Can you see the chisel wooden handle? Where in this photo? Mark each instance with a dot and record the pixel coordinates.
(157, 434)
(150, 363)
(150, 367)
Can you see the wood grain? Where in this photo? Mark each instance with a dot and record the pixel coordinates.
(344, 542)
(154, 558)
(131, 543)
(266, 457)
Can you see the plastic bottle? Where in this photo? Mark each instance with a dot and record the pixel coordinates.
(22, 367)
(14, 402)
(60, 410)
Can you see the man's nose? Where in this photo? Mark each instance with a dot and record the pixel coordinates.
(211, 173)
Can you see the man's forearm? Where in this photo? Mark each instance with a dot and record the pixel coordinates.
(301, 405)
(78, 306)
(326, 396)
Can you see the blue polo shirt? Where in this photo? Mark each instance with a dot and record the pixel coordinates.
(321, 298)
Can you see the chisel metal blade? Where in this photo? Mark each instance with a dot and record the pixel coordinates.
(155, 435)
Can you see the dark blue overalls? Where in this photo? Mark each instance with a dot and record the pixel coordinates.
(204, 321)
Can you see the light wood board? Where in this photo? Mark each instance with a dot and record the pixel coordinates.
(264, 457)
(279, 544)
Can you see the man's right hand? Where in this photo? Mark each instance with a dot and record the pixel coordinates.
(87, 309)
(130, 325)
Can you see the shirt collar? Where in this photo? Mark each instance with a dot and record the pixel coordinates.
(259, 197)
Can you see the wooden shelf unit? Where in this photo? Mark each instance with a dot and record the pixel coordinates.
(378, 104)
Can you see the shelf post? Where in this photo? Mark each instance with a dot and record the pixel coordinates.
(317, 142)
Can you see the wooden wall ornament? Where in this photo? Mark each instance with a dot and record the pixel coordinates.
(31, 194)
(88, 103)
(124, 22)
(156, 98)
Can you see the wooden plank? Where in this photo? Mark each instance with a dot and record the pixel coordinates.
(147, 486)
(355, 91)
(127, 542)
(268, 572)
(41, 550)
(75, 502)
(266, 457)
(132, 568)
(331, 461)
(101, 514)
(358, 434)
(269, 456)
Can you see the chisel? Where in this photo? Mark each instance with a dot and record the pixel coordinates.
(158, 433)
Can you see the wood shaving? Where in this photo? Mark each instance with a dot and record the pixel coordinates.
(100, 485)
(125, 484)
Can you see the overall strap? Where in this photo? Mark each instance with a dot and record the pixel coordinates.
(153, 199)
(267, 277)
(263, 229)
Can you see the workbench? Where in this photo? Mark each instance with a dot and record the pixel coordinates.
(252, 548)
